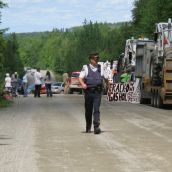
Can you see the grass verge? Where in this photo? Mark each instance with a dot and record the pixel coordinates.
(4, 102)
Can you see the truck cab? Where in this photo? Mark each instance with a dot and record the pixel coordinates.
(74, 84)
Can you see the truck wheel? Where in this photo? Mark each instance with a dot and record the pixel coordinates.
(153, 100)
(159, 102)
(81, 92)
(144, 101)
(70, 91)
(168, 52)
(155, 71)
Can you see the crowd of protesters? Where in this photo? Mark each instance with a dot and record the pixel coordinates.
(14, 86)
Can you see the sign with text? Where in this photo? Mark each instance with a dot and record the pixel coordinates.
(124, 92)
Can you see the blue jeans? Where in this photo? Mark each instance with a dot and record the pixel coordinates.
(48, 90)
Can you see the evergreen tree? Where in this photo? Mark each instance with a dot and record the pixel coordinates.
(2, 47)
(12, 60)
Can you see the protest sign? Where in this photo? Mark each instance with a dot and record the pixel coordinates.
(124, 92)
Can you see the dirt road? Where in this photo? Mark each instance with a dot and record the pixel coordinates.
(48, 135)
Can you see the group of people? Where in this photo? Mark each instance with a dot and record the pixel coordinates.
(13, 82)
(38, 78)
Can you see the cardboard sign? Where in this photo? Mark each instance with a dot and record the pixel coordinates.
(124, 92)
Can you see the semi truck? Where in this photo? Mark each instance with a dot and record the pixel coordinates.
(153, 66)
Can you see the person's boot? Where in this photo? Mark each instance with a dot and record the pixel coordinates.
(88, 129)
(97, 130)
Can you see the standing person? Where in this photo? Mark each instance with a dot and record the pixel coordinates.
(117, 76)
(48, 82)
(14, 83)
(91, 80)
(38, 82)
(25, 85)
(7, 82)
(66, 81)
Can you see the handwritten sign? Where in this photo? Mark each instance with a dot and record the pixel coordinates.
(124, 92)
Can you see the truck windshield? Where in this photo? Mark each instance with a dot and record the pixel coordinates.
(76, 75)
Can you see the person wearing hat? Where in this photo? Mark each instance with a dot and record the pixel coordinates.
(91, 80)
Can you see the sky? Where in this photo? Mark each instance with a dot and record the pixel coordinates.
(44, 15)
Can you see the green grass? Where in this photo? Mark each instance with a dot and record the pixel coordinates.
(4, 102)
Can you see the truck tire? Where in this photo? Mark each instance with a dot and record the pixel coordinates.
(155, 99)
(168, 52)
(144, 101)
(159, 101)
(70, 91)
(155, 73)
(152, 100)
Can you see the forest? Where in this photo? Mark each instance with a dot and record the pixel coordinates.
(66, 50)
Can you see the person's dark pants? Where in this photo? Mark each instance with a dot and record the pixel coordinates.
(25, 86)
(37, 90)
(92, 106)
(48, 90)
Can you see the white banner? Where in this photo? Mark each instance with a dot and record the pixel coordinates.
(124, 92)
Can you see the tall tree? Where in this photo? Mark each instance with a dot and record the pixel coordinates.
(12, 58)
(2, 47)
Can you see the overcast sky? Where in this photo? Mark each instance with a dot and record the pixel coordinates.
(44, 15)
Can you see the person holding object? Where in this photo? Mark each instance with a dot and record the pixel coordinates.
(91, 80)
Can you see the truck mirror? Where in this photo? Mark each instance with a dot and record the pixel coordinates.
(155, 36)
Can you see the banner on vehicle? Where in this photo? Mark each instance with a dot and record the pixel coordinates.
(124, 92)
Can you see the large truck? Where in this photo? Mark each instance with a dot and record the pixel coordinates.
(129, 57)
(154, 67)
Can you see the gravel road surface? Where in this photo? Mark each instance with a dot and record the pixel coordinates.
(48, 135)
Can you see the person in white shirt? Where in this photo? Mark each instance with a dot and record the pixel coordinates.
(38, 82)
(8, 82)
(25, 85)
(91, 79)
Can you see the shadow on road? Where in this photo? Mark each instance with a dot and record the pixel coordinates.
(2, 144)
(102, 131)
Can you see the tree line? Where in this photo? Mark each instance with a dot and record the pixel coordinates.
(66, 50)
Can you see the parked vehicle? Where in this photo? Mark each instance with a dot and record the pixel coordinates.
(74, 85)
(57, 88)
(154, 67)
(43, 89)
